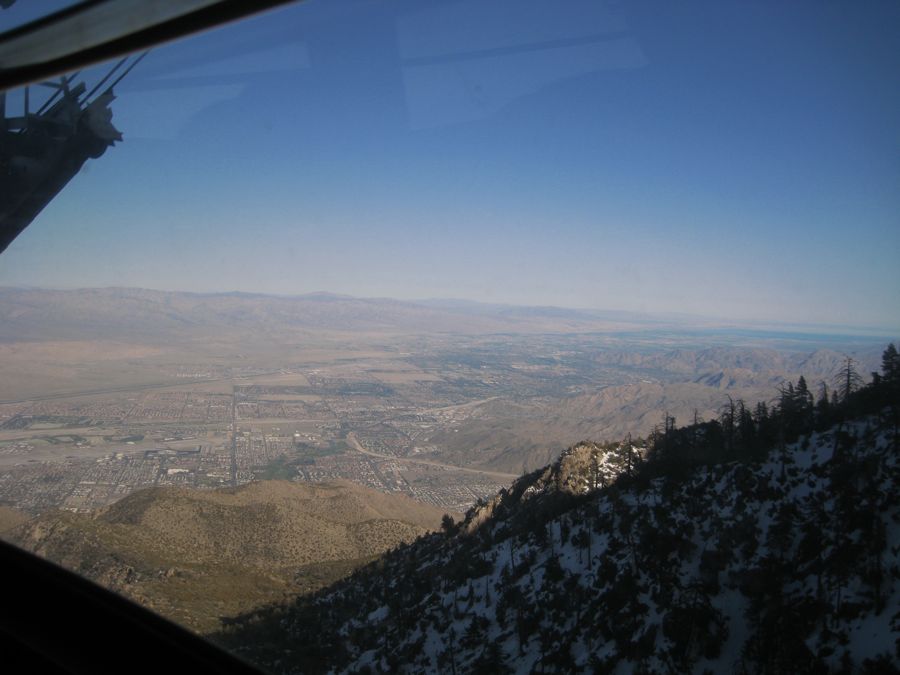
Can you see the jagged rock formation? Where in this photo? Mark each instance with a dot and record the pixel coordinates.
(783, 565)
(582, 468)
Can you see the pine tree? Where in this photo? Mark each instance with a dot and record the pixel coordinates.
(823, 407)
(804, 400)
(787, 411)
(746, 428)
(848, 380)
(447, 524)
(727, 418)
(890, 388)
(890, 365)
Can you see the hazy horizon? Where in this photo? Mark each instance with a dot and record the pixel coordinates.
(724, 160)
(690, 320)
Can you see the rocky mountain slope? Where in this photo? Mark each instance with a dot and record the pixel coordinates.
(519, 436)
(781, 562)
(197, 555)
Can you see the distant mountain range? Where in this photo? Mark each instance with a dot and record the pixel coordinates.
(148, 315)
(128, 313)
(524, 434)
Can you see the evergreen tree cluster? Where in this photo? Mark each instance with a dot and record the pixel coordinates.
(746, 432)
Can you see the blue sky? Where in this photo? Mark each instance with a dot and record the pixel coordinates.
(732, 159)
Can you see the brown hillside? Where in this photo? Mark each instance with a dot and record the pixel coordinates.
(201, 555)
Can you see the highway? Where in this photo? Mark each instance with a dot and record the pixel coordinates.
(495, 475)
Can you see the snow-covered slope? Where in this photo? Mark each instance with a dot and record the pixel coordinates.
(788, 565)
